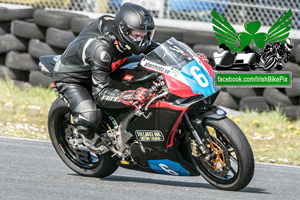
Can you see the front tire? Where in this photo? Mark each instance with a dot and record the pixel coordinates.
(84, 163)
(232, 168)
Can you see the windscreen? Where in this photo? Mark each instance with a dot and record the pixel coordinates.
(172, 53)
(184, 73)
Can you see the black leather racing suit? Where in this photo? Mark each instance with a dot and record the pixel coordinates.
(82, 75)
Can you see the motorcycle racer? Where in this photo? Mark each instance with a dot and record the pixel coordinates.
(82, 74)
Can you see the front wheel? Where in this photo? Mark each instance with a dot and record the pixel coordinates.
(61, 134)
(230, 164)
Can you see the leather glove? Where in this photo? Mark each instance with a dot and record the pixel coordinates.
(141, 95)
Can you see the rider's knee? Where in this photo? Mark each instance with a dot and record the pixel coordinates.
(87, 122)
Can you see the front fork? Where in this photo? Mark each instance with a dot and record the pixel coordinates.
(199, 134)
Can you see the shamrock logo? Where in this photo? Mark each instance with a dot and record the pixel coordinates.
(227, 35)
(252, 37)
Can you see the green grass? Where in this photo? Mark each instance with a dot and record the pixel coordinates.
(273, 137)
(23, 110)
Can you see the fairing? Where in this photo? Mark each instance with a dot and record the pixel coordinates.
(184, 73)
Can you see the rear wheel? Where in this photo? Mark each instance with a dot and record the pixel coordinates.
(61, 133)
(230, 164)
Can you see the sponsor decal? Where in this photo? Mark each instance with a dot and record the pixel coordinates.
(127, 96)
(149, 135)
(105, 57)
(128, 77)
(56, 58)
(174, 72)
(110, 98)
(156, 67)
(170, 71)
(168, 167)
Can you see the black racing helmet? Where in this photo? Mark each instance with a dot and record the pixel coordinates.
(133, 17)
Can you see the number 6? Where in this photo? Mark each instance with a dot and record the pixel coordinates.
(201, 78)
(169, 171)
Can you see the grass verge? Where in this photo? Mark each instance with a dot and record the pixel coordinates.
(273, 137)
(23, 110)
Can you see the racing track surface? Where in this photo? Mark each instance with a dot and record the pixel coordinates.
(32, 170)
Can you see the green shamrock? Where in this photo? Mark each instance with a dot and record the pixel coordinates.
(227, 35)
(259, 39)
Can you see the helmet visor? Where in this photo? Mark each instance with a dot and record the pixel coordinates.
(141, 37)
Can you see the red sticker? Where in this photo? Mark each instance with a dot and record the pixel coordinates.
(128, 77)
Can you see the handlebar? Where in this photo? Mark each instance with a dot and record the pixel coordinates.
(156, 98)
(156, 88)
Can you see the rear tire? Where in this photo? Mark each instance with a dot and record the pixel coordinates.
(235, 147)
(83, 163)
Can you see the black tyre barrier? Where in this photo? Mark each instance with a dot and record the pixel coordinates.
(277, 98)
(59, 38)
(199, 37)
(293, 52)
(11, 14)
(37, 78)
(164, 33)
(79, 23)
(208, 50)
(28, 30)
(9, 42)
(38, 48)
(13, 74)
(292, 67)
(55, 19)
(22, 61)
(227, 100)
(294, 91)
(292, 112)
(199, 40)
(4, 27)
(297, 54)
(256, 103)
(245, 92)
(2, 59)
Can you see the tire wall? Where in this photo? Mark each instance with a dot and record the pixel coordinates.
(28, 33)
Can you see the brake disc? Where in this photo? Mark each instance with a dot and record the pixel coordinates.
(219, 163)
(72, 140)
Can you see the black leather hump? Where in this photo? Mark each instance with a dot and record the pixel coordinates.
(105, 25)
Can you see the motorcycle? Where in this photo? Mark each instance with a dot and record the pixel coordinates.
(178, 132)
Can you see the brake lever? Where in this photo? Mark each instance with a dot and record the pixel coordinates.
(137, 105)
(156, 98)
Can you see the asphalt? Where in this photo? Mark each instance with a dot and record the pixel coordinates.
(31, 169)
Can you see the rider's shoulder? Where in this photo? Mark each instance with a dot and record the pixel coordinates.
(101, 41)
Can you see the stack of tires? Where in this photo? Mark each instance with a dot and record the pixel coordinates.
(26, 34)
(200, 41)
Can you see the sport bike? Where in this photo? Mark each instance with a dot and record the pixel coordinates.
(178, 132)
